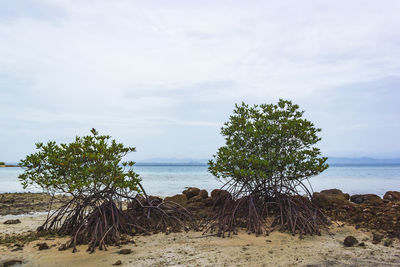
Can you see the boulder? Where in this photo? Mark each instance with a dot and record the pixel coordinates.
(377, 237)
(335, 192)
(350, 241)
(220, 196)
(370, 199)
(203, 193)
(179, 199)
(330, 199)
(392, 196)
(191, 192)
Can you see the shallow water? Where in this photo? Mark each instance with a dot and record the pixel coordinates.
(169, 180)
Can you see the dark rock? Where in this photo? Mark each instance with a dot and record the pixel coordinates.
(377, 237)
(125, 251)
(350, 241)
(392, 196)
(179, 199)
(362, 244)
(12, 221)
(191, 192)
(16, 249)
(11, 263)
(118, 262)
(370, 199)
(43, 246)
(203, 193)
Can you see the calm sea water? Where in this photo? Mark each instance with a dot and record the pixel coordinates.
(169, 180)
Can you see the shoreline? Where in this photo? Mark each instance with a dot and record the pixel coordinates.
(194, 248)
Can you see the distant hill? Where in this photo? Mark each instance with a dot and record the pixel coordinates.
(362, 161)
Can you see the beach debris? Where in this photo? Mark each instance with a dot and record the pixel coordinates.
(43, 246)
(350, 241)
(16, 221)
(191, 192)
(118, 262)
(11, 262)
(392, 196)
(125, 251)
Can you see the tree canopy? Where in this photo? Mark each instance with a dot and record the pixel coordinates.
(269, 146)
(88, 165)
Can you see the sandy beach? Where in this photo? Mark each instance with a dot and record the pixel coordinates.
(195, 249)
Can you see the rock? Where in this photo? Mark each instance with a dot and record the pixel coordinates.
(392, 196)
(11, 263)
(191, 192)
(209, 201)
(118, 262)
(17, 249)
(350, 241)
(203, 193)
(125, 251)
(330, 199)
(195, 199)
(43, 246)
(219, 192)
(179, 199)
(377, 237)
(370, 199)
(362, 244)
(12, 221)
(335, 192)
(196, 206)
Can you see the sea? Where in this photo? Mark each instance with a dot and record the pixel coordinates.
(166, 180)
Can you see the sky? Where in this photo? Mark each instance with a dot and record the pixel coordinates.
(163, 76)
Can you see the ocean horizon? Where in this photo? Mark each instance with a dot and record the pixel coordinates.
(164, 179)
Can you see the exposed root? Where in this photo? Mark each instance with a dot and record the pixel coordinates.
(101, 221)
(260, 213)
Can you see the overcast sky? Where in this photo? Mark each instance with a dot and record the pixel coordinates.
(163, 76)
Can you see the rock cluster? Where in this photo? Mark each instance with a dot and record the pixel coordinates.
(368, 210)
(198, 201)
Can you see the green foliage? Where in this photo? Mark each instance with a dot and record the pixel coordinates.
(88, 165)
(2, 163)
(268, 146)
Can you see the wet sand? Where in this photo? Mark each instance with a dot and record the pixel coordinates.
(195, 249)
